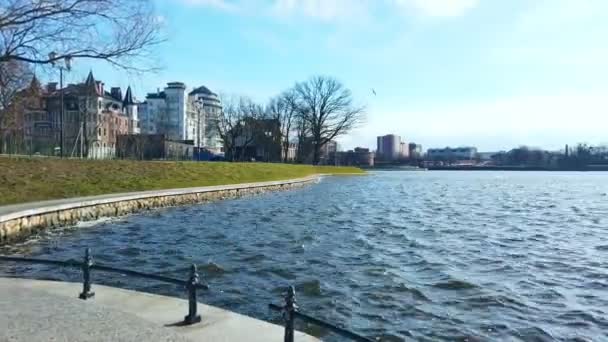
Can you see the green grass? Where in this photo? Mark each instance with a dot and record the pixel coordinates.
(36, 179)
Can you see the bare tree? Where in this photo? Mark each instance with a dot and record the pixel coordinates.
(302, 134)
(237, 125)
(327, 110)
(228, 125)
(119, 32)
(283, 108)
(15, 77)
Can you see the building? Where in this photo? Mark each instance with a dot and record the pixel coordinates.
(164, 112)
(451, 154)
(257, 140)
(415, 151)
(30, 125)
(151, 147)
(290, 153)
(389, 147)
(358, 157)
(328, 151)
(182, 116)
(92, 119)
(207, 108)
(404, 151)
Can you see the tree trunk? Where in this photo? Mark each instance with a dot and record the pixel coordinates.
(286, 151)
(316, 157)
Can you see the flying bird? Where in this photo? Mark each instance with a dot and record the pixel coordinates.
(374, 91)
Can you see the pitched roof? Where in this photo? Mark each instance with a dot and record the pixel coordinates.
(159, 95)
(91, 84)
(202, 90)
(35, 84)
(128, 98)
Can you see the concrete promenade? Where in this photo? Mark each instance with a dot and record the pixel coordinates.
(34, 310)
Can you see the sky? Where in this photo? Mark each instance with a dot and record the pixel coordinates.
(493, 74)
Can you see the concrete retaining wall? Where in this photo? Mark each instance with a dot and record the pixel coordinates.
(19, 221)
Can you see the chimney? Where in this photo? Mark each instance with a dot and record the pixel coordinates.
(51, 87)
(116, 93)
(100, 88)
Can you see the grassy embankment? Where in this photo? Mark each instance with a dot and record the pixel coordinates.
(25, 180)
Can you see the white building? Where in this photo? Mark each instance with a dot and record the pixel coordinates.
(459, 153)
(183, 116)
(207, 107)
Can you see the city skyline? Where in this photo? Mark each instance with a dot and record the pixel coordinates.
(466, 72)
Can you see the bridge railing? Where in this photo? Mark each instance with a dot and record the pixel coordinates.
(192, 283)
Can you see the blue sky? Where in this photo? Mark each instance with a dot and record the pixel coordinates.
(490, 73)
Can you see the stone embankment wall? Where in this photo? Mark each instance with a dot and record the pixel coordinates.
(21, 224)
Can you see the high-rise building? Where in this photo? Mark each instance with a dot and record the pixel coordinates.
(183, 116)
(207, 108)
(415, 150)
(404, 152)
(389, 147)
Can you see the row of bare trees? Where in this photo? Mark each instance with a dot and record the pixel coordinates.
(311, 113)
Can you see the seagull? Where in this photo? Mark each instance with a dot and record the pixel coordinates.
(374, 91)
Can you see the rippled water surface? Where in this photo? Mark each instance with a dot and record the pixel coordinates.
(399, 255)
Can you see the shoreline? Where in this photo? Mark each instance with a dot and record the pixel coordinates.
(19, 221)
(514, 168)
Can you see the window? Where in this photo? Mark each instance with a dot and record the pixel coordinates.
(104, 132)
(99, 131)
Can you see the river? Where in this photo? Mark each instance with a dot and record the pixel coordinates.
(429, 256)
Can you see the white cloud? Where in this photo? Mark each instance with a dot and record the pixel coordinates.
(224, 5)
(439, 8)
(325, 10)
(329, 10)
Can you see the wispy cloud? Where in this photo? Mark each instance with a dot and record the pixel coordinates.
(438, 8)
(325, 10)
(224, 5)
(330, 10)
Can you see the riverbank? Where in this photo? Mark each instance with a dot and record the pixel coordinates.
(22, 220)
(517, 168)
(39, 179)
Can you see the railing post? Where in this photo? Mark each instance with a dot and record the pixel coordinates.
(289, 314)
(193, 281)
(86, 276)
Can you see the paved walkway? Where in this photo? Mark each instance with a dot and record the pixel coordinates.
(33, 310)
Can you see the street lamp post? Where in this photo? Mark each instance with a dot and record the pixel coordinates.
(199, 105)
(66, 66)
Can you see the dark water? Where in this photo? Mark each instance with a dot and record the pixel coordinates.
(427, 256)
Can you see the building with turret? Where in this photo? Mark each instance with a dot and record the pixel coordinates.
(206, 108)
(92, 119)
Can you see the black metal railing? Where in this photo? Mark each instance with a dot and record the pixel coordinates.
(192, 284)
(87, 265)
(290, 313)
